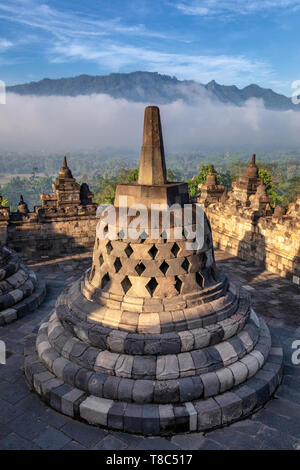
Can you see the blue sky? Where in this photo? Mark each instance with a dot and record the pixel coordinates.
(232, 41)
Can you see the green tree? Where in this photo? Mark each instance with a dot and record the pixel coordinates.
(200, 178)
(4, 201)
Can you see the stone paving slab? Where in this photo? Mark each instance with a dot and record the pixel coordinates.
(27, 423)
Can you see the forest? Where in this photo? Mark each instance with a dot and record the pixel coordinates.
(31, 175)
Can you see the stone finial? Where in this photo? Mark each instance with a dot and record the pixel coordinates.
(65, 171)
(152, 163)
(211, 179)
(22, 206)
(260, 200)
(210, 191)
(252, 169)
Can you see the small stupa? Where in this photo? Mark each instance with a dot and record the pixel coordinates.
(247, 184)
(154, 338)
(20, 290)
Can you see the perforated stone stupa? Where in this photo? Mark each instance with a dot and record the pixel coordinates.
(154, 338)
(20, 290)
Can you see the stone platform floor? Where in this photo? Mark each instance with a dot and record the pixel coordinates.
(27, 423)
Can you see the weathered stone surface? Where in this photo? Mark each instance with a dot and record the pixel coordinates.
(153, 338)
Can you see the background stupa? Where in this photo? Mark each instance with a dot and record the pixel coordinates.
(154, 338)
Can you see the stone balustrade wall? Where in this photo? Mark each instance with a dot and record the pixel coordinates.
(268, 241)
(54, 237)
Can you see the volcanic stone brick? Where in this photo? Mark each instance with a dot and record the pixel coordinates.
(152, 344)
(56, 395)
(125, 390)
(115, 417)
(239, 371)
(58, 366)
(88, 358)
(214, 360)
(186, 387)
(95, 410)
(144, 367)
(200, 361)
(133, 418)
(182, 418)
(171, 344)
(166, 417)
(166, 391)
(167, 367)
(209, 414)
(198, 387)
(124, 366)
(248, 397)
(39, 378)
(237, 345)
(268, 377)
(231, 406)
(150, 423)
(96, 383)
(193, 416)
(187, 340)
(134, 345)
(143, 391)
(201, 337)
(82, 379)
(186, 364)
(70, 402)
(246, 340)
(226, 379)
(261, 389)
(227, 353)
(110, 387)
(252, 364)
(211, 384)
(106, 361)
(258, 355)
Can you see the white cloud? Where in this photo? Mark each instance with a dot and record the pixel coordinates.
(5, 44)
(233, 7)
(68, 124)
(202, 68)
(64, 24)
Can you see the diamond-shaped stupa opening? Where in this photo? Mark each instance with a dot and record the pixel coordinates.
(105, 280)
(128, 250)
(153, 251)
(164, 267)
(140, 268)
(178, 284)
(200, 280)
(117, 264)
(126, 284)
(101, 259)
(175, 249)
(151, 286)
(186, 264)
(109, 247)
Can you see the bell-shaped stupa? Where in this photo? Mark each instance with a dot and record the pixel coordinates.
(20, 290)
(154, 338)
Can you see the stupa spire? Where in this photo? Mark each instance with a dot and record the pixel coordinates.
(152, 163)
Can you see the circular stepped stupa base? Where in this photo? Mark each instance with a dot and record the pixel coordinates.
(231, 377)
(21, 291)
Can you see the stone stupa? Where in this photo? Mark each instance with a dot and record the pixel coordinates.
(20, 290)
(154, 338)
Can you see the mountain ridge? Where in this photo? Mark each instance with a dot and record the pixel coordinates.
(152, 87)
